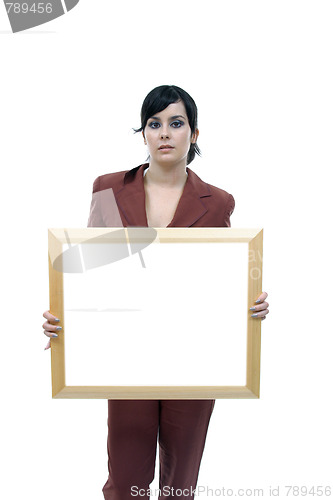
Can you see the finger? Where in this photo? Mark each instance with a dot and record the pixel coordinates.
(50, 334)
(263, 296)
(50, 317)
(260, 307)
(48, 345)
(51, 328)
(260, 314)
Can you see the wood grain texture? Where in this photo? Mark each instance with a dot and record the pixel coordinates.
(57, 309)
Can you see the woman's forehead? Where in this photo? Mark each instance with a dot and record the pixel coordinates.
(173, 109)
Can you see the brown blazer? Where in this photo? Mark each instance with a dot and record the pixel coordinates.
(119, 201)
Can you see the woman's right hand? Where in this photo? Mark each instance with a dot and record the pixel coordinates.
(51, 327)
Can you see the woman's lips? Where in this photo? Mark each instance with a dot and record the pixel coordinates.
(165, 148)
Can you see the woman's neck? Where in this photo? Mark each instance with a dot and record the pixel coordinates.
(169, 176)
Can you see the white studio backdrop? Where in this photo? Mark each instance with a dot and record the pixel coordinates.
(71, 91)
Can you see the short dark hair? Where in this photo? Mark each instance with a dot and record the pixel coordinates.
(159, 98)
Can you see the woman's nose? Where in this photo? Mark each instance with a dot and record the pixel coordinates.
(164, 134)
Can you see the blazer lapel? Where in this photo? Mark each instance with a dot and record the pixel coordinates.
(131, 199)
(191, 206)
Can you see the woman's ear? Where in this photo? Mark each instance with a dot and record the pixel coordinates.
(195, 136)
(144, 139)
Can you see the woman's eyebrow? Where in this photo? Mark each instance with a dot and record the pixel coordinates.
(171, 118)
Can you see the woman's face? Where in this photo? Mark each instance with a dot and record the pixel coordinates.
(168, 135)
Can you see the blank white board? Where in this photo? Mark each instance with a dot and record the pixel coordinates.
(175, 322)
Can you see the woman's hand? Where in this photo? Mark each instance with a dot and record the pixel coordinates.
(51, 326)
(260, 310)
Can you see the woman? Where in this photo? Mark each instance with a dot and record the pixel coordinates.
(161, 193)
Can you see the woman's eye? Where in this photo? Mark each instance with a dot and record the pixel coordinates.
(154, 124)
(177, 124)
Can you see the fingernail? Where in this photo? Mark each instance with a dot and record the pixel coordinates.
(56, 319)
(254, 315)
(54, 335)
(257, 301)
(59, 328)
(252, 308)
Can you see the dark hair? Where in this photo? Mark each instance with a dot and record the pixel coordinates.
(159, 98)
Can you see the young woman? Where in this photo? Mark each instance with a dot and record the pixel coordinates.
(161, 193)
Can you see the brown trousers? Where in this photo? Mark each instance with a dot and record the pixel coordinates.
(181, 427)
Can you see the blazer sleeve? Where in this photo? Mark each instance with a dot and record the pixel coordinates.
(95, 217)
(228, 211)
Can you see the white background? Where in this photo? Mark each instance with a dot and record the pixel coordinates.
(261, 75)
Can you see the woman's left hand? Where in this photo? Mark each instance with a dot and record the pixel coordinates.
(260, 309)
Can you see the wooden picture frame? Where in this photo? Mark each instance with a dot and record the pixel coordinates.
(87, 247)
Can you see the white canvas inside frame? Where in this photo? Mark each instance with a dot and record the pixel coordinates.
(181, 320)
